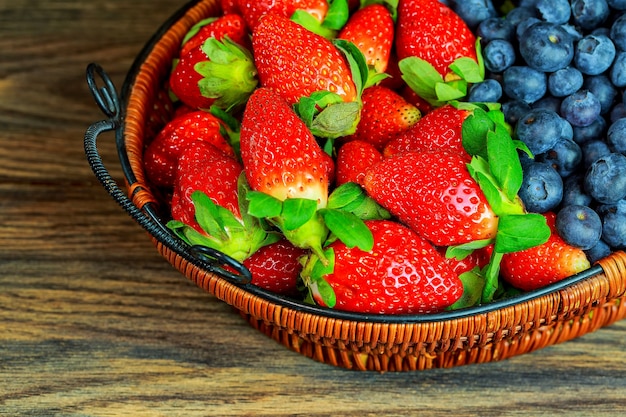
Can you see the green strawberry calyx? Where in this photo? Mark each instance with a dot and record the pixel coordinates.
(336, 17)
(196, 28)
(430, 85)
(229, 74)
(496, 167)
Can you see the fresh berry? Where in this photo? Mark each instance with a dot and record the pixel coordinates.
(546, 47)
(276, 267)
(231, 25)
(354, 158)
(579, 226)
(565, 81)
(488, 91)
(542, 187)
(520, 82)
(554, 11)
(581, 108)
(433, 193)
(565, 157)
(589, 14)
(539, 129)
(594, 54)
(474, 11)
(605, 179)
(614, 226)
(402, 274)
(544, 264)
(253, 11)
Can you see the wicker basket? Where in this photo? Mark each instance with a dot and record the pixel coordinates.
(519, 325)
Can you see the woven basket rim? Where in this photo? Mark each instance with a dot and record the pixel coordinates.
(585, 277)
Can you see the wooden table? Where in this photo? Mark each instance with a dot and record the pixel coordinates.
(93, 322)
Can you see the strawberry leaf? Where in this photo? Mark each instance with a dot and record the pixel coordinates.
(473, 285)
(263, 205)
(421, 77)
(207, 215)
(474, 132)
(462, 251)
(320, 290)
(356, 62)
(504, 161)
(344, 195)
(391, 5)
(348, 228)
(196, 28)
(518, 232)
(296, 212)
(450, 91)
(309, 22)
(491, 274)
(337, 120)
(352, 198)
(468, 69)
(337, 15)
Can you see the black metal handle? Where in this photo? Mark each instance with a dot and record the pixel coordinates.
(204, 257)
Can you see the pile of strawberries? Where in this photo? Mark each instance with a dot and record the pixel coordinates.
(327, 146)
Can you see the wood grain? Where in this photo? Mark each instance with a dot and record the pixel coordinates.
(93, 322)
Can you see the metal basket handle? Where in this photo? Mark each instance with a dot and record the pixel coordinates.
(107, 99)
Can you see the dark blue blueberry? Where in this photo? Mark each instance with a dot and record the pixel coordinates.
(495, 28)
(567, 130)
(546, 47)
(594, 54)
(617, 73)
(594, 150)
(499, 54)
(542, 188)
(521, 13)
(565, 81)
(565, 157)
(513, 110)
(554, 11)
(584, 134)
(614, 227)
(616, 136)
(548, 102)
(525, 24)
(589, 14)
(581, 108)
(579, 226)
(599, 251)
(574, 31)
(605, 180)
(618, 32)
(573, 192)
(489, 91)
(617, 112)
(524, 83)
(540, 130)
(617, 4)
(603, 89)
(474, 11)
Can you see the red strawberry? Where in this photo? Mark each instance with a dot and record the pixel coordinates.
(161, 155)
(231, 25)
(276, 267)
(253, 11)
(296, 62)
(371, 29)
(353, 160)
(434, 194)
(205, 204)
(384, 115)
(217, 71)
(230, 6)
(282, 158)
(402, 274)
(545, 264)
(440, 129)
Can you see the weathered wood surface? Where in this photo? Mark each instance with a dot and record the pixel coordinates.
(93, 322)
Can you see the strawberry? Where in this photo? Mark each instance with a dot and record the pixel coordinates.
(230, 6)
(231, 25)
(544, 264)
(206, 204)
(401, 274)
(434, 194)
(384, 115)
(371, 29)
(296, 62)
(353, 160)
(217, 71)
(161, 155)
(440, 129)
(253, 11)
(435, 46)
(276, 267)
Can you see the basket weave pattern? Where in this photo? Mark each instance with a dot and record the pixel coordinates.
(369, 344)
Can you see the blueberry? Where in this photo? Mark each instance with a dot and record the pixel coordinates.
(594, 150)
(554, 11)
(489, 90)
(499, 54)
(474, 11)
(594, 54)
(546, 47)
(521, 13)
(605, 179)
(548, 103)
(603, 89)
(617, 73)
(614, 227)
(598, 251)
(618, 32)
(617, 4)
(616, 136)
(617, 112)
(539, 129)
(542, 188)
(583, 134)
(567, 130)
(579, 226)
(581, 108)
(524, 83)
(565, 157)
(565, 81)
(574, 31)
(589, 14)
(525, 24)
(514, 110)
(495, 28)
(573, 192)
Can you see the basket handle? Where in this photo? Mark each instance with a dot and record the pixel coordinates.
(201, 256)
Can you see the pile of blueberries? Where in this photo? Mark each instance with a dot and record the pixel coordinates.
(559, 69)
